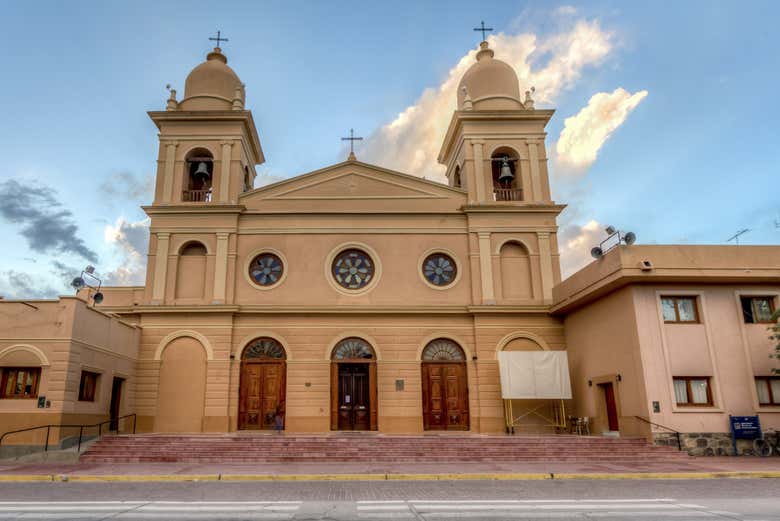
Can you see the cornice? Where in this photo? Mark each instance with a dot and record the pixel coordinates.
(514, 207)
(329, 310)
(188, 208)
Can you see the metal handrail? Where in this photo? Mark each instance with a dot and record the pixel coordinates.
(67, 426)
(676, 433)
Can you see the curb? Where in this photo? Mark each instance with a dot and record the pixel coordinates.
(385, 477)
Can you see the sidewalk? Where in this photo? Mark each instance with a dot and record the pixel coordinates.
(695, 468)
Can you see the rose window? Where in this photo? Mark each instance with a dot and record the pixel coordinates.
(353, 269)
(439, 269)
(266, 269)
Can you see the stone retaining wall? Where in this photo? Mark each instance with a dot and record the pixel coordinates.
(705, 443)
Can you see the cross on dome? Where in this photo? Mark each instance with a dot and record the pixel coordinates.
(484, 30)
(218, 38)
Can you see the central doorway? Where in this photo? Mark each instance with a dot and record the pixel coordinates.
(445, 390)
(353, 386)
(262, 385)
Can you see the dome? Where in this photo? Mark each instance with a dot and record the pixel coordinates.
(490, 84)
(211, 85)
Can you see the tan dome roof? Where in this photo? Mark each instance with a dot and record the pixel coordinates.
(211, 85)
(490, 83)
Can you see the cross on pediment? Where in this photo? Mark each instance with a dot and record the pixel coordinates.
(352, 140)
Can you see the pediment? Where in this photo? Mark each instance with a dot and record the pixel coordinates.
(352, 180)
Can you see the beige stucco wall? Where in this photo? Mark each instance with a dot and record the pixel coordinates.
(64, 337)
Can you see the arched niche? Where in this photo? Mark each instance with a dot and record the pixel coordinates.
(181, 394)
(191, 271)
(515, 268)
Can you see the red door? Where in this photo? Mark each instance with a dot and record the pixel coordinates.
(609, 398)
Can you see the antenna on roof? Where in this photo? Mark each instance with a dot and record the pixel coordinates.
(735, 237)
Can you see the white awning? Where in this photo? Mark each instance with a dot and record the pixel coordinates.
(534, 375)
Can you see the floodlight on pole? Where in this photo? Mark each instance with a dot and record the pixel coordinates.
(88, 279)
(615, 238)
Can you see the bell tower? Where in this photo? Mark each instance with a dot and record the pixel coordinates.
(209, 148)
(494, 149)
(209, 145)
(494, 146)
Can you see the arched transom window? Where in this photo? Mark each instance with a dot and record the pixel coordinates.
(264, 349)
(443, 350)
(353, 348)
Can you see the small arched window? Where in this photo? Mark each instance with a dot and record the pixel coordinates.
(443, 350)
(200, 172)
(353, 348)
(507, 185)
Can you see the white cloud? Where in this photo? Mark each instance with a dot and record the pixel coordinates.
(410, 143)
(586, 132)
(575, 243)
(131, 241)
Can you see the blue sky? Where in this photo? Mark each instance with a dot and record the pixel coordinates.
(690, 151)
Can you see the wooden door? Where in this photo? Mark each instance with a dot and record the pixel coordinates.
(609, 398)
(445, 396)
(354, 397)
(116, 398)
(261, 393)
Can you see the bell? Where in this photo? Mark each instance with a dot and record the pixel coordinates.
(201, 173)
(506, 175)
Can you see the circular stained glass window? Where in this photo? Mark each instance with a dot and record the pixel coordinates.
(439, 269)
(353, 269)
(266, 269)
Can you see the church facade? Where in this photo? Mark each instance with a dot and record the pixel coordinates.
(352, 297)
(359, 298)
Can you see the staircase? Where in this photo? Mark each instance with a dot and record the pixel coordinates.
(372, 448)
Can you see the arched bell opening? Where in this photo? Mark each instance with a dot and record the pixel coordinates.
(353, 386)
(445, 391)
(262, 386)
(199, 169)
(505, 170)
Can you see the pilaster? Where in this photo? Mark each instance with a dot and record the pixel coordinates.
(170, 161)
(479, 177)
(536, 181)
(486, 268)
(160, 268)
(220, 268)
(224, 177)
(545, 259)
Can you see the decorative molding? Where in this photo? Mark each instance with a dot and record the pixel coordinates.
(522, 334)
(26, 348)
(204, 342)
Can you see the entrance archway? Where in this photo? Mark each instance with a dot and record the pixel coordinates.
(353, 386)
(262, 385)
(445, 390)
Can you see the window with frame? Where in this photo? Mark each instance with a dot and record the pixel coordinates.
(757, 310)
(20, 382)
(768, 390)
(680, 310)
(692, 391)
(88, 386)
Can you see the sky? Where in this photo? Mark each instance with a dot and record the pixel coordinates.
(666, 119)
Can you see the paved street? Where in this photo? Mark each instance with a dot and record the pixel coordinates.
(717, 499)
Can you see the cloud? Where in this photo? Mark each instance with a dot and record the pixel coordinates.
(575, 243)
(585, 133)
(131, 240)
(126, 185)
(19, 285)
(45, 225)
(410, 143)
